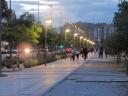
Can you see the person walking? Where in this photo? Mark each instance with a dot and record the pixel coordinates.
(85, 53)
(101, 52)
(73, 55)
(106, 53)
(77, 53)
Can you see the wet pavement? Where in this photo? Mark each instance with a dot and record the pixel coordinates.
(98, 77)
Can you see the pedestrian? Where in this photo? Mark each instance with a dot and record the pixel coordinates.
(77, 53)
(73, 55)
(85, 53)
(101, 52)
(106, 53)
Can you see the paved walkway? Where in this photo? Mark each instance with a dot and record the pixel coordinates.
(37, 80)
(98, 77)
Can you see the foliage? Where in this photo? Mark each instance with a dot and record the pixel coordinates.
(23, 29)
(118, 40)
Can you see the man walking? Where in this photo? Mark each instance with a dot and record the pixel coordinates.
(85, 53)
(101, 52)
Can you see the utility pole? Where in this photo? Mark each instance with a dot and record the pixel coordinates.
(38, 10)
(1, 2)
(10, 4)
(1, 12)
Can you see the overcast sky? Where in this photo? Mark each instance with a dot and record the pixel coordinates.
(93, 11)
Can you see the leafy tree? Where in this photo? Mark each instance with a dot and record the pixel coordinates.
(117, 42)
(121, 25)
(24, 29)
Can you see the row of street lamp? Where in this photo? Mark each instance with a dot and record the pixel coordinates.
(82, 38)
(49, 21)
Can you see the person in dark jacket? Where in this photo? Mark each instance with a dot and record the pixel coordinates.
(106, 53)
(85, 53)
(101, 52)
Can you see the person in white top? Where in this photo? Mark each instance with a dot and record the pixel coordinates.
(77, 53)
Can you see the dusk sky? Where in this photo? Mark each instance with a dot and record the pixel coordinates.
(93, 11)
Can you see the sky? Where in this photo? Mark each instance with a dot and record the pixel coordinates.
(92, 11)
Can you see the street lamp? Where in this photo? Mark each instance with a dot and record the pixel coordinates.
(38, 10)
(1, 21)
(51, 6)
(75, 35)
(81, 37)
(85, 40)
(65, 35)
(48, 22)
(27, 50)
(0, 37)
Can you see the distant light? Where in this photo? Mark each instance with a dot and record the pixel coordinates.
(61, 46)
(81, 37)
(85, 39)
(26, 50)
(67, 30)
(48, 21)
(75, 34)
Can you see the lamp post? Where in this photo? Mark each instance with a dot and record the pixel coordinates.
(0, 37)
(65, 36)
(85, 41)
(48, 21)
(46, 29)
(1, 21)
(81, 37)
(38, 10)
(51, 6)
(75, 35)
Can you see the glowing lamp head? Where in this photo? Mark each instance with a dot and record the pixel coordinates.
(67, 30)
(48, 21)
(81, 37)
(85, 39)
(75, 34)
(26, 50)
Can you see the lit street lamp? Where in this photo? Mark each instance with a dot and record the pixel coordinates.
(48, 22)
(51, 6)
(85, 41)
(75, 35)
(65, 35)
(26, 50)
(81, 37)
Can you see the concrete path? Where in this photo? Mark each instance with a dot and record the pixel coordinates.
(37, 80)
(98, 77)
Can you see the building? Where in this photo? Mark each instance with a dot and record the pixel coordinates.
(96, 32)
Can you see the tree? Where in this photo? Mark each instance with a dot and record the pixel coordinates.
(118, 40)
(121, 25)
(24, 29)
